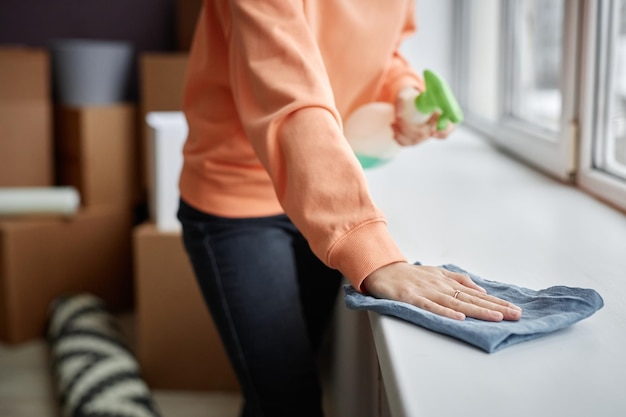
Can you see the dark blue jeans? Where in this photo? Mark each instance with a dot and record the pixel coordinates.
(271, 300)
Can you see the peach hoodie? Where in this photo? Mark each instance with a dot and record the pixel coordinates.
(268, 84)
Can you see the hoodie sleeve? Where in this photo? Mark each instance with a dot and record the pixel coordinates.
(399, 73)
(286, 106)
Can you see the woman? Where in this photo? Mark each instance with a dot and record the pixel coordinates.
(274, 205)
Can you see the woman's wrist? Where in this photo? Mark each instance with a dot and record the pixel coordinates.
(386, 270)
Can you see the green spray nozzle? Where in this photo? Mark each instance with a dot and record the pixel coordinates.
(438, 97)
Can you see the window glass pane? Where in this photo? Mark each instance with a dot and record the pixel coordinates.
(484, 59)
(617, 132)
(536, 67)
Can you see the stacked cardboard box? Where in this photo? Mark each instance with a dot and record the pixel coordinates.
(177, 344)
(97, 153)
(43, 258)
(26, 155)
(162, 81)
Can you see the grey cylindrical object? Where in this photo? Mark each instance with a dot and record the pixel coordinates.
(94, 371)
(91, 72)
(38, 200)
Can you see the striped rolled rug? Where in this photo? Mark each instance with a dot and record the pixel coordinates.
(95, 373)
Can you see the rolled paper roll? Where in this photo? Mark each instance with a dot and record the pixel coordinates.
(95, 373)
(38, 200)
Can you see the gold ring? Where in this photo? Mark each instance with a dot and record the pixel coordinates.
(456, 293)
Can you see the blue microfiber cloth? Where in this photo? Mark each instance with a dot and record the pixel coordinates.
(544, 311)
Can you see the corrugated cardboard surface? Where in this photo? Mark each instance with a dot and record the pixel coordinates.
(43, 258)
(24, 74)
(97, 153)
(26, 151)
(177, 344)
(162, 81)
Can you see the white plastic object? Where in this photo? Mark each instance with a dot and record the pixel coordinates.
(17, 201)
(407, 110)
(369, 128)
(369, 132)
(168, 132)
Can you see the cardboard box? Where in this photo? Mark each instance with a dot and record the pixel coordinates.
(26, 151)
(41, 259)
(167, 135)
(24, 74)
(97, 153)
(177, 344)
(162, 79)
(187, 13)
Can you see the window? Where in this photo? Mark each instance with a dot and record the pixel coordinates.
(517, 77)
(535, 58)
(611, 152)
(480, 47)
(603, 104)
(545, 80)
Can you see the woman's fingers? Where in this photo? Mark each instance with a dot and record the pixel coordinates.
(443, 134)
(439, 309)
(439, 291)
(409, 134)
(477, 296)
(458, 309)
(483, 306)
(463, 280)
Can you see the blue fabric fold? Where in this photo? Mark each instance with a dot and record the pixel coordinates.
(544, 311)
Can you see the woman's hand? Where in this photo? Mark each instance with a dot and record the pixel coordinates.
(439, 291)
(407, 132)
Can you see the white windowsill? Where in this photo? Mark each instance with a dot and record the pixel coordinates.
(461, 201)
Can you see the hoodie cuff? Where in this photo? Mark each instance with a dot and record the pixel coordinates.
(365, 249)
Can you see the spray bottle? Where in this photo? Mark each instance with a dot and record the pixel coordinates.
(368, 129)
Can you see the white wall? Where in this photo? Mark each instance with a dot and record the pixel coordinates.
(432, 46)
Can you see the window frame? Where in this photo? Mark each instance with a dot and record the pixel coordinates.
(555, 154)
(593, 106)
